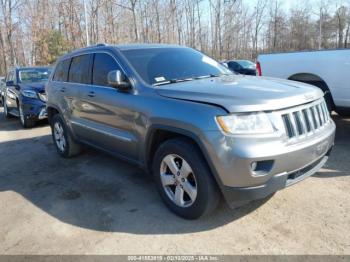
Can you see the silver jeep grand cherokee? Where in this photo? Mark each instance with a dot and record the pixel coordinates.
(202, 131)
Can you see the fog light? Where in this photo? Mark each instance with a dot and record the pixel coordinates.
(253, 165)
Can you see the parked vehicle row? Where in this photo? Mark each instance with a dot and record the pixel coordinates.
(24, 94)
(326, 69)
(202, 131)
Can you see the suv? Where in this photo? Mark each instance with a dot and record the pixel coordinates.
(24, 94)
(201, 130)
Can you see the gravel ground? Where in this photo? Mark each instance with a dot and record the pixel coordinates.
(96, 204)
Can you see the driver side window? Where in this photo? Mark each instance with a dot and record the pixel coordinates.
(103, 64)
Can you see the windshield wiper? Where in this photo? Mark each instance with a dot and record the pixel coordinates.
(206, 76)
(173, 81)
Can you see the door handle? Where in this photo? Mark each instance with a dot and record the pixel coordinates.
(91, 94)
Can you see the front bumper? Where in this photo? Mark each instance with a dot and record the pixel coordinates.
(34, 109)
(279, 164)
(236, 197)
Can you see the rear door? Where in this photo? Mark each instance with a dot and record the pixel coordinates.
(79, 76)
(106, 116)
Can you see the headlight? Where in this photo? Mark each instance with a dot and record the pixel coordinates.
(42, 97)
(29, 93)
(251, 123)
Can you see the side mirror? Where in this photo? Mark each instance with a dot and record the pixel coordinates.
(117, 79)
(10, 83)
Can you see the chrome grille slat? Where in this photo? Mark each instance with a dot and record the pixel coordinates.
(325, 111)
(302, 121)
(306, 120)
(320, 117)
(315, 117)
(294, 125)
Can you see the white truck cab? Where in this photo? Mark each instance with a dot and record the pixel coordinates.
(329, 70)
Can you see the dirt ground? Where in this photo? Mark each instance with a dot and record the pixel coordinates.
(96, 204)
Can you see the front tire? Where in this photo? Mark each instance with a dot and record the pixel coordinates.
(25, 122)
(64, 143)
(183, 179)
(6, 110)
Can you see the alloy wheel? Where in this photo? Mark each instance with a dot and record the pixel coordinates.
(59, 136)
(178, 180)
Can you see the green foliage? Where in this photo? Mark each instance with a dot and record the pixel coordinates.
(50, 46)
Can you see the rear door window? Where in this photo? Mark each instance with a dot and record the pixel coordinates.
(103, 64)
(80, 69)
(61, 73)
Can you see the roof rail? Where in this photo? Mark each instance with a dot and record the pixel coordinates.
(101, 44)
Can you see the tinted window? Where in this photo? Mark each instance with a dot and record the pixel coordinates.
(61, 73)
(103, 64)
(234, 66)
(10, 76)
(246, 64)
(161, 65)
(80, 69)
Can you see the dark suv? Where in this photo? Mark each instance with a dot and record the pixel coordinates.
(24, 94)
(200, 129)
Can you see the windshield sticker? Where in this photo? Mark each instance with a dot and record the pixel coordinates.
(159, 78)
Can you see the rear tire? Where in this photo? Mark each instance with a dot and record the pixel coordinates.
(343, 112)
(199, 193)
(64, 143)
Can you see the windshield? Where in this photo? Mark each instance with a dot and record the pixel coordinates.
(31, 75)
(164, 65)
(246, 63)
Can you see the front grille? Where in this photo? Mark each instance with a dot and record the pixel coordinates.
(305, 120)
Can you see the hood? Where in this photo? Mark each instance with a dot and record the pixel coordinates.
(36, 86)
(243, 93)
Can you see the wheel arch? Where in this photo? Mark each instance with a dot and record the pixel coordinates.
(51, 111)
(312, 79)
(158, 134)
(315, 80)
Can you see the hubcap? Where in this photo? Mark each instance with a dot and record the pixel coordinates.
(59, 136)
(178, 180)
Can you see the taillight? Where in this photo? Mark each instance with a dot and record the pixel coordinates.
(258, 68)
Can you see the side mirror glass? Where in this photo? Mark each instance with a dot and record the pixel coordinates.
(10, 83)
(117, 79)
